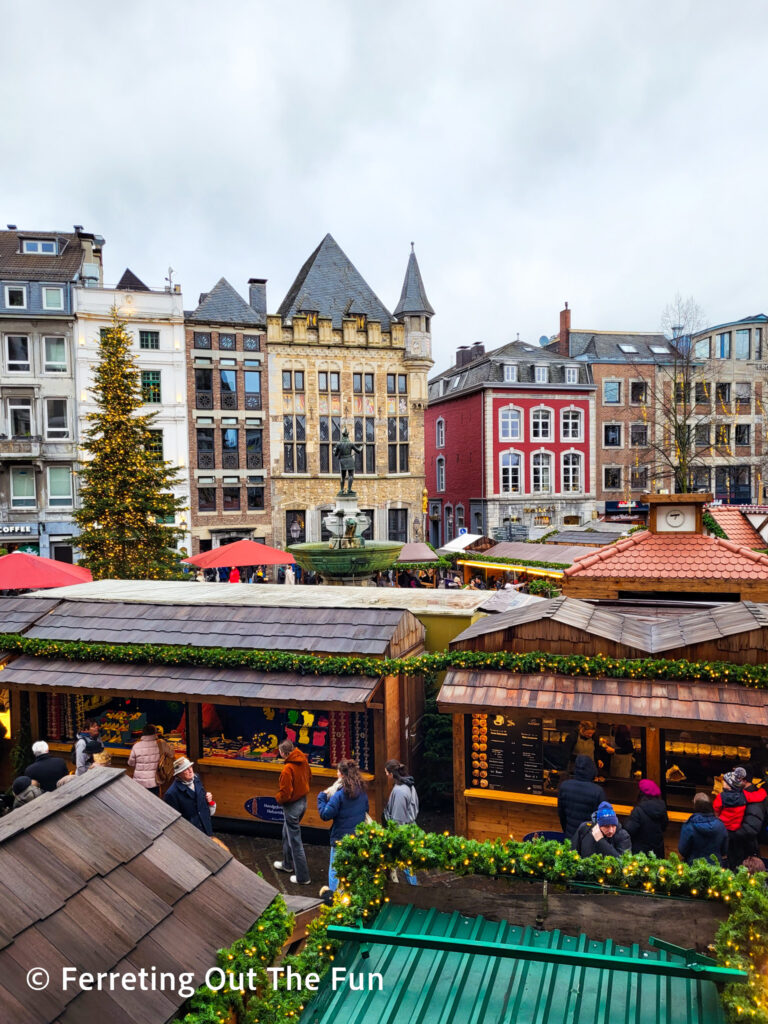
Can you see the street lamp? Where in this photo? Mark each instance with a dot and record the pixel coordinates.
(295, 531)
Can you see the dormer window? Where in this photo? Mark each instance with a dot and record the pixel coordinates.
(510, 373)
(571, 375)
(40, 246)
(542, 374)
(311, 319)
(361, 320)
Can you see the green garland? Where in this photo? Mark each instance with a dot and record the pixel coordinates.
(711, 524)
(534, 663)
(441, 563)
(364, 860)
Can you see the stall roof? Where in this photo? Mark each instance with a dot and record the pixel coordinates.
(462, 542)
(427, 986)
(590, 538)
(738, 528)
(642, 701)
(564, 554)
(100, 875)
(669, 556)
(19, 613)
(217, 685)
(416, 553)
(360, 631)
(266, 595)
(652, 635)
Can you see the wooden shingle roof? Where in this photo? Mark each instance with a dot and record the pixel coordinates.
(361, 631)
(650, 635)
(642, 701)
(100, 875)
(19, 613)
(169, 682)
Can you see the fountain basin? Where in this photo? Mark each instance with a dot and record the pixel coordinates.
(351, 565)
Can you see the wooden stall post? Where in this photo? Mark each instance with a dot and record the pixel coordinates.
(653, 766)
(15, 697)
(194, 732)
(393, 726)
(459, 777)
(380, 759)
(34, 716)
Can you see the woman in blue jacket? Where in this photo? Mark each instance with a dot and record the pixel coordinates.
(345, 804)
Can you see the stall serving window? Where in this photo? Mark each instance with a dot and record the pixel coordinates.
(695, 761)
(520, 753)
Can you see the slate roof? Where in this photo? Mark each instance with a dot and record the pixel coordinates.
(630, 700)
(646, 555)
(650, 635)
(18, 266)
(361, 631)
(130, 282)
(215, 684)
(413, 297)
(224, 305)
(100, 875)
(604, 346)
(488, 371)
(736, 525)
(330, 285)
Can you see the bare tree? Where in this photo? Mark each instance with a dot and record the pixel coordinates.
(688, 417)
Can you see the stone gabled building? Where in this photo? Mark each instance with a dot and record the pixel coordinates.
(338, 358)
(228, 400)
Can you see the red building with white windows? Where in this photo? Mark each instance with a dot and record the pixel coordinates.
(510, 442)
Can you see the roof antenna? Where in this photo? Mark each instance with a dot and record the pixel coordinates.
(411, 246)
(169, 279)
(518, 336)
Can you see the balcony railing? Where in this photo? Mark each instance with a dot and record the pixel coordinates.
(20, 447)
(228, 400)
(206, 460)
(254, 460)
(230, 460)
(203, 399)
(252, 401)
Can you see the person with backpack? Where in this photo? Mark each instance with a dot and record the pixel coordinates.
(403, 803)
(579, 796)
(145, 757)
(24, 790)
(648, 821)
(85, 746)
(741, 808)
(703, 835)
(602, 834)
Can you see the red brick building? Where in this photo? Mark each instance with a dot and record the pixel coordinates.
(228, 398)
(510, 442)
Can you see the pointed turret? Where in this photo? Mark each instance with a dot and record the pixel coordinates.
(415, 312)
(413, 297)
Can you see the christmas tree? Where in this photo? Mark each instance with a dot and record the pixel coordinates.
(125, 490)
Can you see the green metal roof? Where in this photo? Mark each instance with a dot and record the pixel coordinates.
(431, 986)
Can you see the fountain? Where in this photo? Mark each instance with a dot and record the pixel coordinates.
(347, 559)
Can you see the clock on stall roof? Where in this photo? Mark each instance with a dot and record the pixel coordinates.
(675, 519)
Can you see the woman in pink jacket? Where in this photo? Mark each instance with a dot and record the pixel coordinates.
(144, 759)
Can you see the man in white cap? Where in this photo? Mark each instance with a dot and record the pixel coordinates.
(46, 769)
(188, 796)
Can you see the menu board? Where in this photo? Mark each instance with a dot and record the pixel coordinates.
(505, 751)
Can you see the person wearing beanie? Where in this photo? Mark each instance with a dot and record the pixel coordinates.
(24, 790)
(46, 770)
(648, 821)
(579, 796)
(741, 807)
(703, 835)
(602, 834)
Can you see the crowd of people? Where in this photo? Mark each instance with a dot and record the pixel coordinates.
(727, 828)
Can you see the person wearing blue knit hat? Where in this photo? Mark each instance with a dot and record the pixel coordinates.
(602, 834)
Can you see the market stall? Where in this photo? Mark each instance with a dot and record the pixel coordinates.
(229, 719)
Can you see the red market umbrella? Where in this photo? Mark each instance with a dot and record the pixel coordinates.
(21, 571)
(241, 552)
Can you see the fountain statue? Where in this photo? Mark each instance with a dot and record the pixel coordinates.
(348, 558)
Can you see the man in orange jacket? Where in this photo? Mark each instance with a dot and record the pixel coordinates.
(292, 796)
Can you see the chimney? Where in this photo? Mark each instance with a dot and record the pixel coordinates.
(477, 350)
(257, 296)
(463, 355)
(564, 338)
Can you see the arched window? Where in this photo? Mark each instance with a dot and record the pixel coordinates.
(542, 473)
(448, 523)
(510, 424)
(571, 473)
(511, 482)
(570, 425)
(459, 517)
(440, 433)
(440, 474)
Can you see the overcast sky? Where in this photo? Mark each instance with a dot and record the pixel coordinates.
(601, 153)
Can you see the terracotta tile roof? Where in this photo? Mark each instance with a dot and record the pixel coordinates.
(647, 555)
(739, 529)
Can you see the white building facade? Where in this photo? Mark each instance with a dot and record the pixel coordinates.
(155, 319)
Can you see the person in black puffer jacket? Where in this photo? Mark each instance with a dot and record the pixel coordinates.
(703, 835)
(648, 821)
(578, 797)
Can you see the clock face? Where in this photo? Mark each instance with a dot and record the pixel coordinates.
(675, 518)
